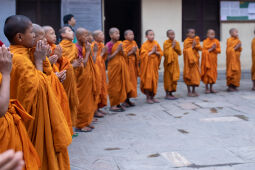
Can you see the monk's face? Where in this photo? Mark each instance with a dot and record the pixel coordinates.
(90, 38)
(27, 39)
(211, 34)
(68, 34)
(150, 36)
(130, 36)
(115, 35)
(51, 36)
(171, 35)
(100, 37)
(234, 33)
(83, 38)
(191, 33)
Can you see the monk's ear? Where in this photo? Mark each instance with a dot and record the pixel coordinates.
(18, 37)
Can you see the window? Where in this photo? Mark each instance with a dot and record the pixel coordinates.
(200, 15)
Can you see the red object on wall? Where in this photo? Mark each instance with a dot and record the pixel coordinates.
(1, 43)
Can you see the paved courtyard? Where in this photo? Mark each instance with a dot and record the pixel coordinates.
(211, 132)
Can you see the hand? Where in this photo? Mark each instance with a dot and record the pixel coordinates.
(58, 51)
(104, 50)
(95, 49)
(61, 75)
(5, 61)
(119, 48)
(213, 46)
(173, 43)
(87, 47)
(41, 51)
(77, 62)
(10, 160)
(194, 43)
(53, 59)
(134, 50)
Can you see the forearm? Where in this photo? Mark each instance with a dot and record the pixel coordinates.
(4, 94)
(86, 58)
(95, 57)
(39, 65)
(113, 55)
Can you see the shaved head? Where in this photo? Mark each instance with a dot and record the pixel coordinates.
(81, 31)
(190, 29)
(232, 30)
(127, 31)
(210, 30)
(96, 33)
(168, 31)
(113, 30)
(37, 28)
(47, 28)
(16, 24)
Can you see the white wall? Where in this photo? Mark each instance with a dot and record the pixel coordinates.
(7, 8)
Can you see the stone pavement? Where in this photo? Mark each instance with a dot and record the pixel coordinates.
(210, 132)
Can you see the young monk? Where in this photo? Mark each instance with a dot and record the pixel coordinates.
(13, 134)
(211, 48)
(150, 54)
(234, 48)
(191, 73)
(49, 131)
(68, 62)
(120, 88)
(100, 62)
(253, 63)
(54, 80)
(88, 79)
(132, 59)
(63, 69)
(171, 50)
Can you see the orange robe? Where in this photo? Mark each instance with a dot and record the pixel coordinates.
(209, 61)
(191, 73)
(100, 63)
(149, 67)
(171, 65)
(13, 134)
(49, 131)
(70, 86)
(59, 91)
(88, 92)
(233, 73)
(132, 62)
(253, 60)
(119, 86)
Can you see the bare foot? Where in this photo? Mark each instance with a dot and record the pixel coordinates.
(101, 111)
(195, 94)
(155, 100)
(253, 88)
(91, 126)
(213, 91)
(190, 94)
(230, 89)
(149, 101)
(98, 114)
(207, 91)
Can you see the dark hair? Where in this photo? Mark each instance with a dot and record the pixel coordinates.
(189, 29)
(147, 32)
(15, 24)
(168, 31)
(67, 18)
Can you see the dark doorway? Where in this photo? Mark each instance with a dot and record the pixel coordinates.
(42, 12)
(123, 14)
(201, 15)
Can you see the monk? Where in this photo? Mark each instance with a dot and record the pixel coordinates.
(171, 49)
(100, 62)
(88, 80)
(132, 59)
(150, 54)
(49, 131)
(54, 80)
(120, 88)
(68, 61)
(13, 134)
(233, 73)
(211, 48)
(253, 63)
(191, 72)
